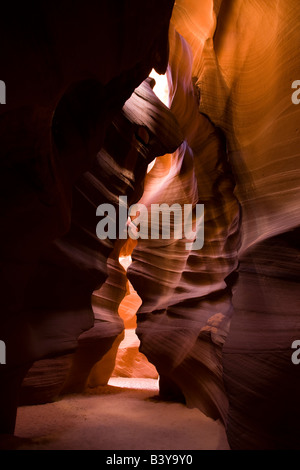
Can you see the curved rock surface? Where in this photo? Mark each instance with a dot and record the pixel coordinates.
(261, 380)
(218, 322)
(245, 59)
(186, 309)
(75, 65)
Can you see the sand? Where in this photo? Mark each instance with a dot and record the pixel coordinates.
(125, 415)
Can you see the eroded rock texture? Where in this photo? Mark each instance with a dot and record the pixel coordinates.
(217, 323)
(261, 380)
(74, 65)
(245, 58)
(186, 308)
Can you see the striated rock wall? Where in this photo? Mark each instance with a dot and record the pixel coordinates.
(261, 380)
(74, 66)
(218, 322)
(186, 310)
(245, 59)
(118, 170)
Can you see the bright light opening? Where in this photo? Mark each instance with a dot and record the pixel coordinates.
(161, 88)
(125, 261)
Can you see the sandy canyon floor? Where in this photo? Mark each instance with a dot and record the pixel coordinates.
(124, 415)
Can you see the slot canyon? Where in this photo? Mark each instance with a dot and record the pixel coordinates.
(160, 102)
